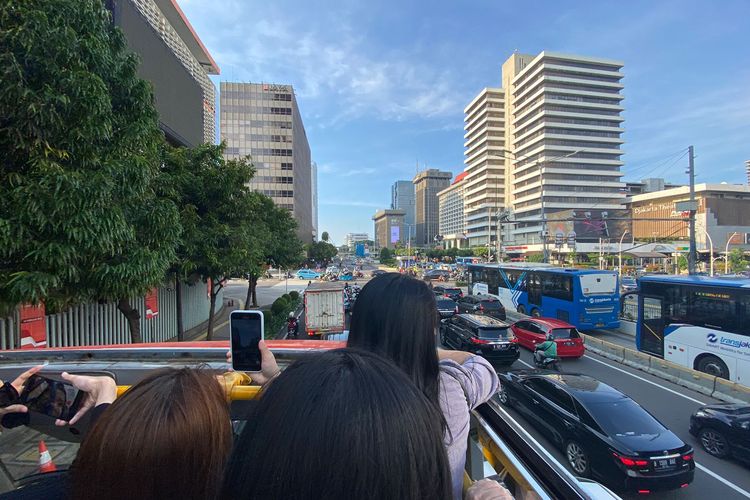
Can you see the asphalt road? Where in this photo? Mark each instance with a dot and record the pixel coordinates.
(672, 405)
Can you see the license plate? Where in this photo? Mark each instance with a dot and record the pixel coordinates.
(600, 324)
(499, 347)
(570, 343)
(665, 464)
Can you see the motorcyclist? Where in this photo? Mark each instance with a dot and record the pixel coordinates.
(292, 325)
(546, 350)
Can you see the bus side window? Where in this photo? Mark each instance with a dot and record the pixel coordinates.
(743, 314)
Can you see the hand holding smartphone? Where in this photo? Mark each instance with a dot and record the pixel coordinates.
(55, 398)
(246, 330)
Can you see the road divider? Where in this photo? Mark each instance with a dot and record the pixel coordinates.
(692, 379)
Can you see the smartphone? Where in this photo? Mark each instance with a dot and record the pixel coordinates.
(246, 330)
(56, 398)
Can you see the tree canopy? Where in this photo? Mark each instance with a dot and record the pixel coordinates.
(321, 252)
(80, 216)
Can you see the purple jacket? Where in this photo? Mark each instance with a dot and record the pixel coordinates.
(463, 388)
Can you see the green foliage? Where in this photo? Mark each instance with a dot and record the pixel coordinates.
(321, 252)
(737, 260)
(385, 254)
(479, 251)
(535, 257)
(682, 263)
(324, 236)
(294, 294)
(81, 216)
(279, 306)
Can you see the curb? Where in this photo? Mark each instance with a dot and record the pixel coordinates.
(703, 383)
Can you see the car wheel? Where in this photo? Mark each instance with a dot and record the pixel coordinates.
(714, 442)
(502, 395)
(578, 459)
(535, 313)
(521, 309)
(713, 366)
(442, 338)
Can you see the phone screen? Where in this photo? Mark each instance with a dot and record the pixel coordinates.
(55, 398)
(246, 331)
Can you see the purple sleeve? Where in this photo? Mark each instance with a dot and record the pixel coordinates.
(476, 376)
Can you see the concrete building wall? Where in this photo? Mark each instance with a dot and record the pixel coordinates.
(451, 212)
(402, 198)
(427, 185)
(387, 224)
(263, 121)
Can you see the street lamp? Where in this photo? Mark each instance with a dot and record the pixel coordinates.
(726, 253)
(619, 257)
(710, 242)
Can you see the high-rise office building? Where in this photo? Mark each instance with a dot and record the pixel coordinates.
(352, 239)
(451, 213)
(314, 185)
(484, 185)
(388, 228)
(402, 198)
(561, 137)
(427, 184)
(175, 61)
(747, 170)
(263, 120)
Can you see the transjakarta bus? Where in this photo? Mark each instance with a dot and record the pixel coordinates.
(585, 298)
(697, 321)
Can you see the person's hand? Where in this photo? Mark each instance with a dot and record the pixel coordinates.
(487, 489)
(18, 384)
(99, 390)
(268, 367)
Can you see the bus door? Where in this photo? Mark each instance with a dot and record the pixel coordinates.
(534, 289)
(652, 326)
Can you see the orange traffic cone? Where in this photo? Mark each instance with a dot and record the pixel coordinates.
(45, 459)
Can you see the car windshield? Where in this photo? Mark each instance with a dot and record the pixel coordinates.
(452, 290)
(445, 304)
(501, 333)
(624, 418)
(564, 333)
(491, 304)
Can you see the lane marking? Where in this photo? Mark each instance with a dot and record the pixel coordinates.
(725, 481)
(646, 380)
(525, 363)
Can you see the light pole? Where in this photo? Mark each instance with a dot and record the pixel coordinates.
(619, 253)
(726, 253)
(710, 242)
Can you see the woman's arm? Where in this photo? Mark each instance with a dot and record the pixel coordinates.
(458, 356)
(476, 376)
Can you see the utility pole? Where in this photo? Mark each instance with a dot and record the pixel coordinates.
(692, 254)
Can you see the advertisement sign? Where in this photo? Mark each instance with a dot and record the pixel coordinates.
(152, 304)
(395, 234)
(33, 327)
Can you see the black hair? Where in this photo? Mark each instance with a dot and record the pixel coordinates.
(395, 316)
(340, 424)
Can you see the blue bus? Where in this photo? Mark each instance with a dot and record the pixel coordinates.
(584, 298)
(698, 322)
(465, 261)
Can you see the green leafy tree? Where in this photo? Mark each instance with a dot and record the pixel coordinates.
(479, 251)
(737, 260)
(321, 252)
(324, 236)
(385, 255)
(535, 257)
(80, 213)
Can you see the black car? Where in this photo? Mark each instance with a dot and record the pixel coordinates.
(602, 432)
(489, 337)
(377, 272)
(481, 305)
(434, 274)
(452, 292)
(446, 307)
(723, 430)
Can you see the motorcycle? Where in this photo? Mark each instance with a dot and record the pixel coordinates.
(547, 363)
(292, 328)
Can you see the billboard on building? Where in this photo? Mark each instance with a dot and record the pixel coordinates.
(395, 234)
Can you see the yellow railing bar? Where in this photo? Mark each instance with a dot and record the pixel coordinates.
(236, 385)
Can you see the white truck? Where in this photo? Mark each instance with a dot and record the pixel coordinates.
(324, 308)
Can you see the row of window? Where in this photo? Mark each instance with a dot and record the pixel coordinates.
(273, 179)
(278, 193)
(554, 285)
(547, 120)
(261, 110)
(268, 138)
(582, 189)
(232, 122)
(578, 98)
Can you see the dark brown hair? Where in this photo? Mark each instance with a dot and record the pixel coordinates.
(168, 436)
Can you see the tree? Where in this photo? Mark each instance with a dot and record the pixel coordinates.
(80, 214)
(324, 236)
(535, 257)
(737, 260)
(321, 252)
(385, 255)
(479, 251)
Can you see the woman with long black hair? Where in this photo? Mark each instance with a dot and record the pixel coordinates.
(396, 316)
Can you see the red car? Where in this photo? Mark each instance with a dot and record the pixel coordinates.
(533, 331)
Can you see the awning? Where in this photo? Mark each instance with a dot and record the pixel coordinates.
(646, 255)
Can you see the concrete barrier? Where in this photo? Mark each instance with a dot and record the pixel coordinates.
(698, 381)
(636, 359)
(731, 391)
(666, 370)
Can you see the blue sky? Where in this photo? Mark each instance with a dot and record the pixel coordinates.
(382, 85)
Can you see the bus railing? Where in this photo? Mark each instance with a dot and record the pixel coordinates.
(497, 439)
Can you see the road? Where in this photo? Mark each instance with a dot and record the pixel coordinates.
(672, 405)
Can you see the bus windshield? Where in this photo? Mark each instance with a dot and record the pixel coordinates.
(598, 284)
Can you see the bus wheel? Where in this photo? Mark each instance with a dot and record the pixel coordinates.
(535, 312)
(521, 309)
(713, 366)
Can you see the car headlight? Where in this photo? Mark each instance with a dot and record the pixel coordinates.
(701, 413)
(745, 425)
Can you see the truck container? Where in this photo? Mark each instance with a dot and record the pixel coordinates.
(324, 308)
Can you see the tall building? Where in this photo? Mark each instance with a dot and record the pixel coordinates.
(484, 186)
(451, 213)
(263, 120)
(389, 228)
(402, 198)
(352, 239)
(561, 127)
(427, 184)
(176, 62)
(747, 170)
(314, 185)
